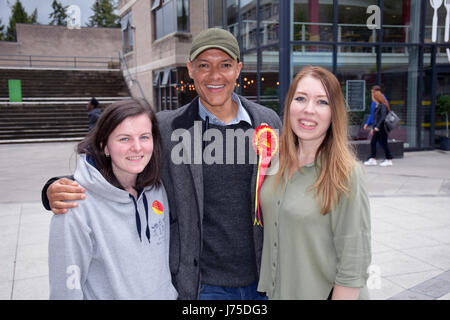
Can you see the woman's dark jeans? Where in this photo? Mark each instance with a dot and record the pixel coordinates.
(381, 137)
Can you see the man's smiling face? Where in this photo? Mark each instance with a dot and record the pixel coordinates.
(214, 73)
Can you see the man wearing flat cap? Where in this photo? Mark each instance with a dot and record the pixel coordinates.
(215, 248)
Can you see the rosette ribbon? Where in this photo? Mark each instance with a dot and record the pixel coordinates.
(265, 143)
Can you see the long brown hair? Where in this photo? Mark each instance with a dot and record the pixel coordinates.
(95, 142)
(379, 98)
(337, 159)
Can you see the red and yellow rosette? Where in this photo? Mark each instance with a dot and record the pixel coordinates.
(157, 207)
(265, 142)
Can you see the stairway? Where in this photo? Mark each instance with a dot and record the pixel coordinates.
(54, 103)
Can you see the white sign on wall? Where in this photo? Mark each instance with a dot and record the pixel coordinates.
(74, 17)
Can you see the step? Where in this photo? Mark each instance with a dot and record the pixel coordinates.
(41, 140)
(44, 130)
(42, 135)
(20, 126)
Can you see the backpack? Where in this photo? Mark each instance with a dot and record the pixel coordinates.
(391, 121)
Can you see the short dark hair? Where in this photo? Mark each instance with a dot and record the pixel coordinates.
(95, 142)
(94, 102)
(376, 88)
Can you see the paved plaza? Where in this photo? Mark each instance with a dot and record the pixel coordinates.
(410, 210)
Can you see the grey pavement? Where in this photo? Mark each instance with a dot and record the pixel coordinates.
(410, 211)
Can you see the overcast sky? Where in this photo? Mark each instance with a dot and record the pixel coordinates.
(44, 8)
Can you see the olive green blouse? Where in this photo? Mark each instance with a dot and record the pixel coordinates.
(305, 253)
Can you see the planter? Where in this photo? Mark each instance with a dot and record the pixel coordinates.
(444, 143)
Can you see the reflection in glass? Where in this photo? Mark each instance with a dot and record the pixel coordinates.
(355, 65)
(440, 23)
(311, 55)
(248, 85)
(231, 16)
(313, 20)
(215, 13)
(269, 78)
(269, 23)
(352, 21)
(400, 80)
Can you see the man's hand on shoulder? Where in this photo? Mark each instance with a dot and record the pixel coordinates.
(61, 191)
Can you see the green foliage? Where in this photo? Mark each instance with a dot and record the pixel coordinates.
(443, 109)
(443, 105)
(104, 14)
(18, 15)
(2, 30)
(58, 16)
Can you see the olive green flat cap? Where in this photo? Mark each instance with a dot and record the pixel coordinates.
(215, 38)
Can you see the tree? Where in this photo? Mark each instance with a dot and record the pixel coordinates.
(104, 15)
(18, 15)
(58, 16)
(2, 27)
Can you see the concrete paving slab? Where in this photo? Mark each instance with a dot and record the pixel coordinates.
(438, 256)
(445, 297)
(31, 289)
(33, 251)
(6, 270)
(410, 280)
(439, 234)
(33, 164)
(434, 288)
(412, 222)
(387, 290)
(396, 263)
(401, 239)
(31, 268)
(377, 247)
(379, 226)
(5, 290)
(411, 295)
(10, 209)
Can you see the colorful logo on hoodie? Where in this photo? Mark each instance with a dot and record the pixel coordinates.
(157, 207)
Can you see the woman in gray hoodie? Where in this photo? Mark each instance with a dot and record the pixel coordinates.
(115, 244)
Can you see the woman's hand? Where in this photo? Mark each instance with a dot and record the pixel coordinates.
(345, 293)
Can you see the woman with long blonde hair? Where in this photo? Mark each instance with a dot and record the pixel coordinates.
(315, 208)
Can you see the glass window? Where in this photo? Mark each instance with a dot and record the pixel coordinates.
(172, 88)
(231, 16)
(215, 13)
(127, 33)
(354, 63)
(401, 21)
(170, 16)
(249, 24)
(311, 55)
(269, 80)
(442, 94)
(183, 15)
(248, 84)
(353, 19)
(399, 78)
(440, 23)
(269, 22)
(313, 20)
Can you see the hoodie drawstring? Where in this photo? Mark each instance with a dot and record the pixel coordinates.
(138, 219)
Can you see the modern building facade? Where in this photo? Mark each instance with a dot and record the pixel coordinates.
(363, 42)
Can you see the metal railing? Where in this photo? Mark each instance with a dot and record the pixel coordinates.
(355, 33)
(123, 62)
(68, 62)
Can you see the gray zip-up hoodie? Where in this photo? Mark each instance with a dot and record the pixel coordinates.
(98, 250)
